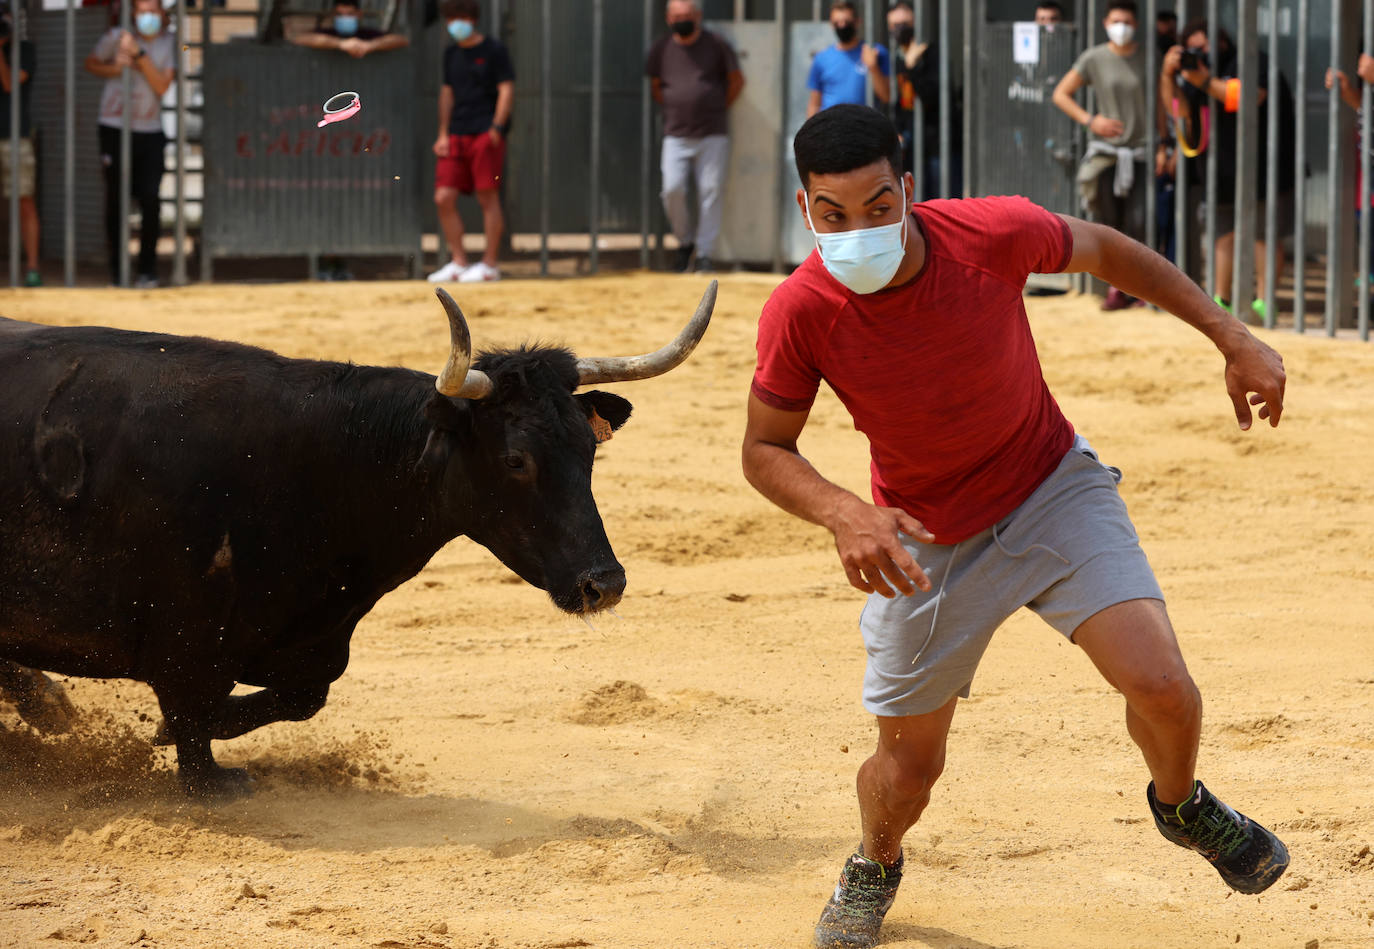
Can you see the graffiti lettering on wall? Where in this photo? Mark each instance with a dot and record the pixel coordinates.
(314, 143)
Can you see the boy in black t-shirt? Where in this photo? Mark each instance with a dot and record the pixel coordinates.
(474, 117)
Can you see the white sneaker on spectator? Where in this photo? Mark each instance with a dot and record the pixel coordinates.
(479, 273)
(449, 271)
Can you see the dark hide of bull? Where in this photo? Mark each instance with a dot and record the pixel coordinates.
(194, 514)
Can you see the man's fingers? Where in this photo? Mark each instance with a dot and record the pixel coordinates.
(913, 528)
(856, 579)
(1243, 416)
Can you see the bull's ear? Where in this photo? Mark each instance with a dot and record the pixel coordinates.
(443, 413)
(447, 419)
(609, 406)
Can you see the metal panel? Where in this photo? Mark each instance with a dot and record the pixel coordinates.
(48, 30)
(276, 184)
(751, 188)
(1024, 144)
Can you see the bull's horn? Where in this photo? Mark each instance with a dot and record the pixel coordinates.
(457, 380)
(626, 368)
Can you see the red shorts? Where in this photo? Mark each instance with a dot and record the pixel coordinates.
(473, 163)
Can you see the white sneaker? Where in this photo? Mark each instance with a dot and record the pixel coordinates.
(449, 271)
(480, 272)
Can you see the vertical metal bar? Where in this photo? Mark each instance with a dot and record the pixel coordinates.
(125, 154)
(1182, 229)
(1300, 177)
(16, 55)
(918, 115)
(546, 132)
(739, 11)
(869, 94)
(945, 130)
(974, 18)
(1272, 237)
(783, 149)
(179, 50)
(594, 188)
(1083, 27)
(1333, 179)
(1366, 110)
(1247, 155)
(646, 142)
(1210, 195)
(69, 154)
(496, 18)
(815, 8)
(1151, 124)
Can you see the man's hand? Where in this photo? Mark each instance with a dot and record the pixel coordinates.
(1198, 77)
(441, 146)
(874, 560)
(355, 47)
(1365, 67)
(1103, 127)
(869, 55)
(1256, 370)
(1173, 62)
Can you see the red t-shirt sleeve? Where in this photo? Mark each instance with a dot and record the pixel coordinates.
(786, 375)
(1023, 238)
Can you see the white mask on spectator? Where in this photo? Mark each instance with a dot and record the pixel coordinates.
(1120, 33)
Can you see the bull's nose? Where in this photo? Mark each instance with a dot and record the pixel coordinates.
(602, 589)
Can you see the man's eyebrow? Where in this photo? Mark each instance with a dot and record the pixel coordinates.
(879, 193)
(821, 197)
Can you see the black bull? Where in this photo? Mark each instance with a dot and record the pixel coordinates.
(194, 514)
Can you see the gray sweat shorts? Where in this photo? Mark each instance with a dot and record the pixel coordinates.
(1069, 551)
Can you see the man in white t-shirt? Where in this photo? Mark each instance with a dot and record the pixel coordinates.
(148, 52)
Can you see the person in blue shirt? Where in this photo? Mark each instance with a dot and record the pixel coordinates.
(840, 73)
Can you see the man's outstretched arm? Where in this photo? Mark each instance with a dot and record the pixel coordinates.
(1252, 368)
(865, 535)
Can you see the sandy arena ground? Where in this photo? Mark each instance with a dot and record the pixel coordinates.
(491, 773)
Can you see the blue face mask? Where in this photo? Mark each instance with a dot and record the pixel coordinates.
(149, 24)
(865, 259)
(460, 30)
(345, 25)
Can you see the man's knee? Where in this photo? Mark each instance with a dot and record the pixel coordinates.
(489, 199)
(909, 774)
(1164, 696)
(444, 197)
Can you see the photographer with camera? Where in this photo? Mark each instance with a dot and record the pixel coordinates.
(23, 176)
(1188, 81)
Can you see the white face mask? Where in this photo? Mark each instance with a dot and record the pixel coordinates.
(1120, 33)
(864, 259)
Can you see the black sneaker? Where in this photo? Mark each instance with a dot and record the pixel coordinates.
(705, 265)
(1248, 857)
(861, 899)
(683, 262)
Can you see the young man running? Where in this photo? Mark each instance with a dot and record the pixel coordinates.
(986, 500)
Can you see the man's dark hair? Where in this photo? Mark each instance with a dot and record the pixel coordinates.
(902, 5)
(843, 138)
(1199, 25)
(1051, 5)
(460, 10)
(1166, 16)
(1126, 5)
(846, 5)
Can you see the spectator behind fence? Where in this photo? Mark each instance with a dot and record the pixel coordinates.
(345, 33)
(1193, 85)
(1049, 14)
(23, 175)
(917, 73)
(1350, 95)
(474, 118)
(840, 73)
(1112, 179)
(148, 53)
(695, 76)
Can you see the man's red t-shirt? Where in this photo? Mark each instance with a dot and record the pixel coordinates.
(940, 373)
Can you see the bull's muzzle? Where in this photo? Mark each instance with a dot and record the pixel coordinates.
(601, 589)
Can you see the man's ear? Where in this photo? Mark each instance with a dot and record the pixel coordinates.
(606, 412)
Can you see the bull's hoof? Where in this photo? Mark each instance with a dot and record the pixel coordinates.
(45, 706)
(218, 786)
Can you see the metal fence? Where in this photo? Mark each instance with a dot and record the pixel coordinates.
(583, 152)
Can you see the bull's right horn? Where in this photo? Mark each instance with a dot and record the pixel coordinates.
(457, 380)
(626, 368)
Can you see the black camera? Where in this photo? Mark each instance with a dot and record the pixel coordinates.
(1192, 59)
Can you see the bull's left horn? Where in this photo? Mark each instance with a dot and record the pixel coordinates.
(457, 380)
(626, 368)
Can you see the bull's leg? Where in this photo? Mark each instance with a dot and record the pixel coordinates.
(241, 714)
(39, 701)
(190, 711)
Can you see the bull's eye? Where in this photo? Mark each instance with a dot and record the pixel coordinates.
(515, 461)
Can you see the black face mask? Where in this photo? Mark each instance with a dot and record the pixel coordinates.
(684, 28)
(905, 34)
(844, 33)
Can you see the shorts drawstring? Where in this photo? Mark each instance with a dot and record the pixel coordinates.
(1049, 550)
(939, 595)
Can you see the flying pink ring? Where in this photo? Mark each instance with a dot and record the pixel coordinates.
(347, 110)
